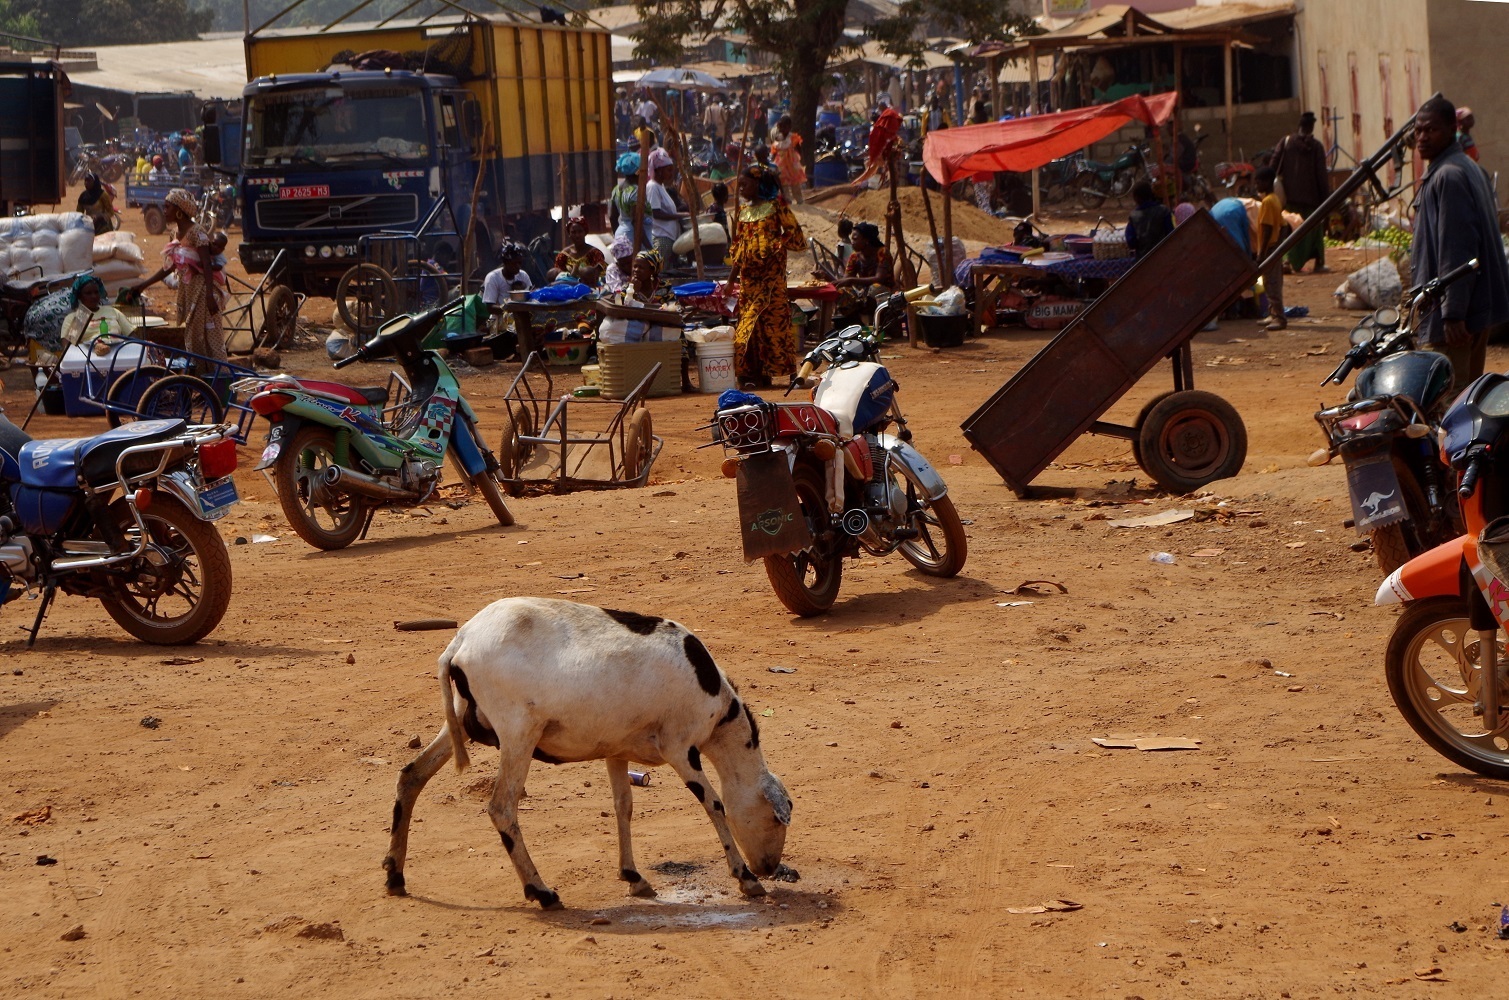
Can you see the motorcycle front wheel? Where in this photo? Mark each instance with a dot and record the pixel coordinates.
(178, 590)
(1433, 666)
(323, 517)
(807, 581)
(941, 546)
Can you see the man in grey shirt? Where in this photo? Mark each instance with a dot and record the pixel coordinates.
(1456, 219)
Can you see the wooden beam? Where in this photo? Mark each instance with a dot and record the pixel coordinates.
(1226, 50)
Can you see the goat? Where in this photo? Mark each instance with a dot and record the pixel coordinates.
(558, 681)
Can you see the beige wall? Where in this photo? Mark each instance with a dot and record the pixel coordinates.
(1456, 46)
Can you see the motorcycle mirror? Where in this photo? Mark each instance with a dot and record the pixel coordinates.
(1387, 316)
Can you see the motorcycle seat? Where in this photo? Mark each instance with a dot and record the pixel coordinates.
(373, 395)
(57, 463)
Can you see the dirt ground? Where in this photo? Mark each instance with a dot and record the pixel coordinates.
(937, 745)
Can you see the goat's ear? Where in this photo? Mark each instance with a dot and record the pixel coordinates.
(775, 794)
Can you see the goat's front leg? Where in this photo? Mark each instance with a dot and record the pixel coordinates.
(689, 766)
(411, 781)
(503, 809)
(623, 809)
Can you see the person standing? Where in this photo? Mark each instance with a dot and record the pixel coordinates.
(1270, 227)
(1456, 220)
(786, 147)
(1300, 161)
(979, 107)
(715, 121)
(764, 345)
(623, 113)
(661, 212)
(188, 257)
(1465, 122)
(939, 113)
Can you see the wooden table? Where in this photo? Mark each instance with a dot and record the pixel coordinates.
(991, 280)
(826, 296)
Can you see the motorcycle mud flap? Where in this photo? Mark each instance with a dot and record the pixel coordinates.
(1377, 500)
(770, 515)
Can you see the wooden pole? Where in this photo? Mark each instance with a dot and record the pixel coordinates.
(688, 189)
(1032, 108)
(1174, 152)
(733, 218)
(932, 228)
(1230, 108)
(893, 222)
(467, 248)
(946, 255)
(644, 167)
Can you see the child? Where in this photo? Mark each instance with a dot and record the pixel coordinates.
(1270, 224)
(844, 247)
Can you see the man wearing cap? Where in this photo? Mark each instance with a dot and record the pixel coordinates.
(1456, 220)
(1300, 161)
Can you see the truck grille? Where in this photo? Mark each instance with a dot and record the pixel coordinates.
(365, 211)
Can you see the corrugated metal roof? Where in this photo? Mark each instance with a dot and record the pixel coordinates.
(1227, 15)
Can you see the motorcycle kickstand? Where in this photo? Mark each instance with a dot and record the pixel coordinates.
(371, 513)
(36, 626)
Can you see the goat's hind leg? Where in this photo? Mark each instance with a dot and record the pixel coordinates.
(503, 809)
(689, 766)
(411, 781)
(623, 808)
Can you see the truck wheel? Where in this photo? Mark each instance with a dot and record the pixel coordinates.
(365, 296)
(1189, 439)
(154, 220)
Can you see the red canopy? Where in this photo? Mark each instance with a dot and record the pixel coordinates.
(1024, 143)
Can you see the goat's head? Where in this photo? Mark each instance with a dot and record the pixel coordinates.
(759, 811)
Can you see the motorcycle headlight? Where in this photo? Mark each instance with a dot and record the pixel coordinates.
(310, 251)
(325, 252)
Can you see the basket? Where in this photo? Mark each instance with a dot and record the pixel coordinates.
(623, 366)
(1111, 244)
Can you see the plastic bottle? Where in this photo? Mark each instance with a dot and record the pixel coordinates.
(1165, 558)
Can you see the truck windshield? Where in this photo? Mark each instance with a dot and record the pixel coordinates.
(332, 125)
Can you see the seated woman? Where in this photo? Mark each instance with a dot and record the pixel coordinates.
(869, 275)
(92, 316)
(578, 258)
(644, 290)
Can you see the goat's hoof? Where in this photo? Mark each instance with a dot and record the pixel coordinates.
(752, 888)
(547, 899)
(642, 889)
(395, 879)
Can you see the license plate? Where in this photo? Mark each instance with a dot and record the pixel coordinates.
(271, 451)
(215, 500)
(305, 191)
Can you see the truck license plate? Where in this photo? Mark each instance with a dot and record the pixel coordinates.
(305, 191)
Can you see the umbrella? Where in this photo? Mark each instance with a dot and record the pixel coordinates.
(682, 79)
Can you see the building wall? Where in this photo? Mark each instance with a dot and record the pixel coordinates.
(1467, 67)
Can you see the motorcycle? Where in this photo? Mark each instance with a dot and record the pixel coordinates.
(1099, 181)
(1385, 431)
(1446, 656)
(338, 453)
(823, 480)
(124, 517)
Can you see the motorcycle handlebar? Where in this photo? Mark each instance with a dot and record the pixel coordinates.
(1342, 371)
(1469, 482)
(343, 362)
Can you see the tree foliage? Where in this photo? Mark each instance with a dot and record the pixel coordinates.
(804, 35)
(17, 21)
(114, 22)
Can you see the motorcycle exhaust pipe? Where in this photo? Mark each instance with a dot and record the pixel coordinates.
(855, 522)
(347, 481)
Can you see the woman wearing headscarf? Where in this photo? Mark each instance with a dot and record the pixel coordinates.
(643, 289)
(625, 195)
(764, 346)
(868, 274)
(189, 258)
(578, 258)
(786, 147)
(660, 208)
(96, 202)
(620, 266)
(92, 316)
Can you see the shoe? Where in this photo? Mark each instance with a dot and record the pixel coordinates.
(1276, 324)
(1321, 269)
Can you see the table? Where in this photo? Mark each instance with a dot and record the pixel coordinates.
(991, 280)
(548, 315)
(826, 296)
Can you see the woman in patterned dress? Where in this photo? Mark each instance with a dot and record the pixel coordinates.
(188, 258)
(764, 345)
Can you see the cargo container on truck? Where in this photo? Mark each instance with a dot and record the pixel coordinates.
(331, 153)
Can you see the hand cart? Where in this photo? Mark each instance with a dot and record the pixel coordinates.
(264, 314)
(399, 272)
(561, 445)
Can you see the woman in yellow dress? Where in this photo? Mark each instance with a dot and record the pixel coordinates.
(764, 345)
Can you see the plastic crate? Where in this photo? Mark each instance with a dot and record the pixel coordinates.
(943, 331)
(623, 366)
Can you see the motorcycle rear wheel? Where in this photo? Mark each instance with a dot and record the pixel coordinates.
(1087, 184)
(807, 582)
(185, 564)
(1432, 667)
(305, 500)
(1398, 543)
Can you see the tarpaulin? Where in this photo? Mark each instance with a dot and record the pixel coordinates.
(1024, 143)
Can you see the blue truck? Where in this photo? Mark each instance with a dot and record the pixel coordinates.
(505, 120)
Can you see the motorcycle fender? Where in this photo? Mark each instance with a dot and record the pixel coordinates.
(466, 448)
(1377, 500)
(1436, 572)
(770, 513)
(277, 434)
(904, 454)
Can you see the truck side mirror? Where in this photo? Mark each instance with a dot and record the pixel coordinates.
(211, 142)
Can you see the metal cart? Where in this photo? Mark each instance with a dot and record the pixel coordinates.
(571, 443)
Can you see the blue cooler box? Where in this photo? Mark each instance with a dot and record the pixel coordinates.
(86, 377)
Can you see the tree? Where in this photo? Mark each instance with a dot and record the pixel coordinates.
(803, 35)
(17, 21)
(114, 22)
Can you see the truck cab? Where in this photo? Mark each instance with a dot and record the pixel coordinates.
(329, 157)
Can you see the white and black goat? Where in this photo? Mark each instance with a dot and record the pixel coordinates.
(558, 681)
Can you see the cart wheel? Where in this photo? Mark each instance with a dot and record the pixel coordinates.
(1191, 438)
(183, 397)
(365, 296)
(639, 444)
(513, 451)
(1142, 419)
(123, 401)
(279, 318)
(153, 219)
(430, 286)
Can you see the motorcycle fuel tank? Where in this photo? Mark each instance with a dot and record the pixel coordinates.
(1421, 375)
(858, 394)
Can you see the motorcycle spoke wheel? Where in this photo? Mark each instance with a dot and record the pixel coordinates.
(807, 582)
(941, 546)
(323, 517)
(178, 590)
(1433, 667)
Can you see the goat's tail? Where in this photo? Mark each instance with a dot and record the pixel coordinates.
(448, 703)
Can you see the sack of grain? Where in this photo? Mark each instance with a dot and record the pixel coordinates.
(117, 270)
(76, 248)
(49, 260)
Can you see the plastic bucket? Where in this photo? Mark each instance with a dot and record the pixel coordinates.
(715, 366)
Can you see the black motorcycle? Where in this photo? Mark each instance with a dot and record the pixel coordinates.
(1402, 496)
